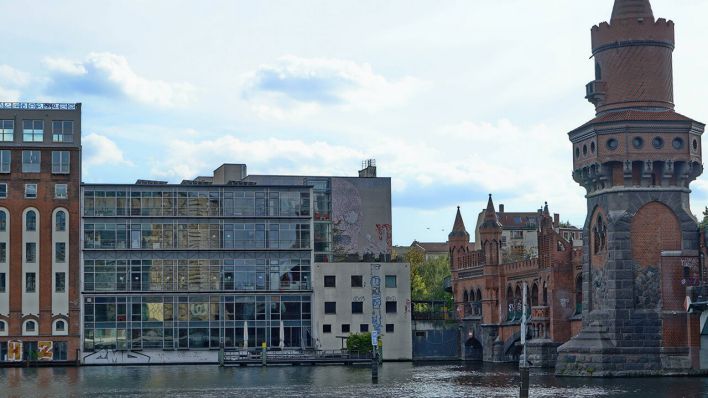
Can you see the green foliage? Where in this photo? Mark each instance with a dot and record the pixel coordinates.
(704, 222)
(427, 276)
(359, 342)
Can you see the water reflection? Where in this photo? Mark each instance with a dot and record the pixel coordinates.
(395, 380)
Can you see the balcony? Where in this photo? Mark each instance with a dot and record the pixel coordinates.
(595, 91)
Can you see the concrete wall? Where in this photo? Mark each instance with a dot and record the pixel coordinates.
(396, 345)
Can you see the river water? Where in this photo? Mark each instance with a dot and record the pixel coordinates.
(396, 380)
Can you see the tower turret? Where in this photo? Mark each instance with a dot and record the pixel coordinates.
(458, 241)
(490, 232)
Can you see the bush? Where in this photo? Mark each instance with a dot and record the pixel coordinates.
(359, 342)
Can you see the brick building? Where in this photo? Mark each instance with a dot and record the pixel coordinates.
(488, 290)
(40, 175)
(636, 160)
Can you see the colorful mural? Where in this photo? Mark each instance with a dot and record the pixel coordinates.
(46, 352)
(14, 351)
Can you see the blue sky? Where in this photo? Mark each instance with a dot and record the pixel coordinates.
(454, 99)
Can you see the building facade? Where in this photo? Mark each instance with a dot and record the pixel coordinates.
(488, 296)
(40, 175)
(172, 272)
(636, 160)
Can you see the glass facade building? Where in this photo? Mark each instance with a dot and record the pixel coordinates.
(192, 266)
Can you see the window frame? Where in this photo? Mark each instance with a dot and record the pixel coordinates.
(390, 328)
(33, 224)
(29, 167)
(5, 164)
(360, 283)
(3, 282)
(58, 259)
(363, 327)
(359, 309)
(330, 311)
(7, 131)
(61, 135)
(34, 282)
(3, 190)
(327, 328)
(57, 278)
(329, 281)
(37, 126)
(56, 191)
(395, 281)
(395, 307)
(28, 190)
(59, 167)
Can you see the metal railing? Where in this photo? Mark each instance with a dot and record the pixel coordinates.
(295, 355)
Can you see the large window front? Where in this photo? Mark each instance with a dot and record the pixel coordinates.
(291, 274)
(195, 321)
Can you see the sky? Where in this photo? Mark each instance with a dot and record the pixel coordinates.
(454, 99)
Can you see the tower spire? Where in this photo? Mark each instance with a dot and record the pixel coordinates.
(632, 9)
(490, 215)
(458, 228)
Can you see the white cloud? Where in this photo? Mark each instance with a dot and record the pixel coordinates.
(106, 73)
(297, 87)
(99, 150)
(11, 77)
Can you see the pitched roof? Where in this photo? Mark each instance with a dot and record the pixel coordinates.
(490, 219)
(432, 246)
(458, 228)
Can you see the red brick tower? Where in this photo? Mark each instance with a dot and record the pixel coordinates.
(635, 159)
(490, 233)
(458, 241)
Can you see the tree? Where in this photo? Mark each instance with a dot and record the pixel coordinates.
(359, 342)
(427, 276)
(704, 222)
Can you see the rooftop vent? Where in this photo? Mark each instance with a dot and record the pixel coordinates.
(368, 169)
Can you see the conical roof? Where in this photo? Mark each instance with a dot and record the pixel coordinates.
(490, 216)
(632, 9)
(458, 229)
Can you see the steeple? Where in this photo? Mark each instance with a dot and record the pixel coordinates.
(490, 216)
(632, 9)
(458, 229)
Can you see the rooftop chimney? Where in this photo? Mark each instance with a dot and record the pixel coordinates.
(556, 219)
(229, 172)
(501, 208)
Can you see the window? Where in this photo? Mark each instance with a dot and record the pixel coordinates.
(61, 191)
(60, 326)
(390, 280)
(30, 282)
(60, 282)
(3, 252)
(30, 252)
(3, 221)
(31, 191)
(326, 328)
(2, 326)
(31, 221)
(330, 281)
(391, 307)
(2, 282)
(7, 130)
(31, 161)
(357, 281)
(389, 328)
(30, 326)
(32, 130)
(60, 162)
(364, 327)
(5, 156)
(60, 252)
(357, 307)
(345, 328)
(61, 220)
(3, 190)
(62, 131)
(330, 307)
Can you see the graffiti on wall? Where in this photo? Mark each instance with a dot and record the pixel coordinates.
(376, 297)
(45, 351)
(361, 225)
(111, 356)
(14, 351)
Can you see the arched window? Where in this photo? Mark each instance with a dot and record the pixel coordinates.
(60, 326)
(3, 221)
(61, 220)
(3, 327)
(466, 297)
(31, 221)
(579, 294)
(479, 295)
(534, 295)
(29, 327)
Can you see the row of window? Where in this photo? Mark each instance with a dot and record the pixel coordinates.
(32, 159)
(363, 328)
(31, 252)
(283, 235)
(61, 191)
(358, 281)
(223, 202)
(31, 221)
(33, 130)
(29, 327)
(31, 282)
(330, 307)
